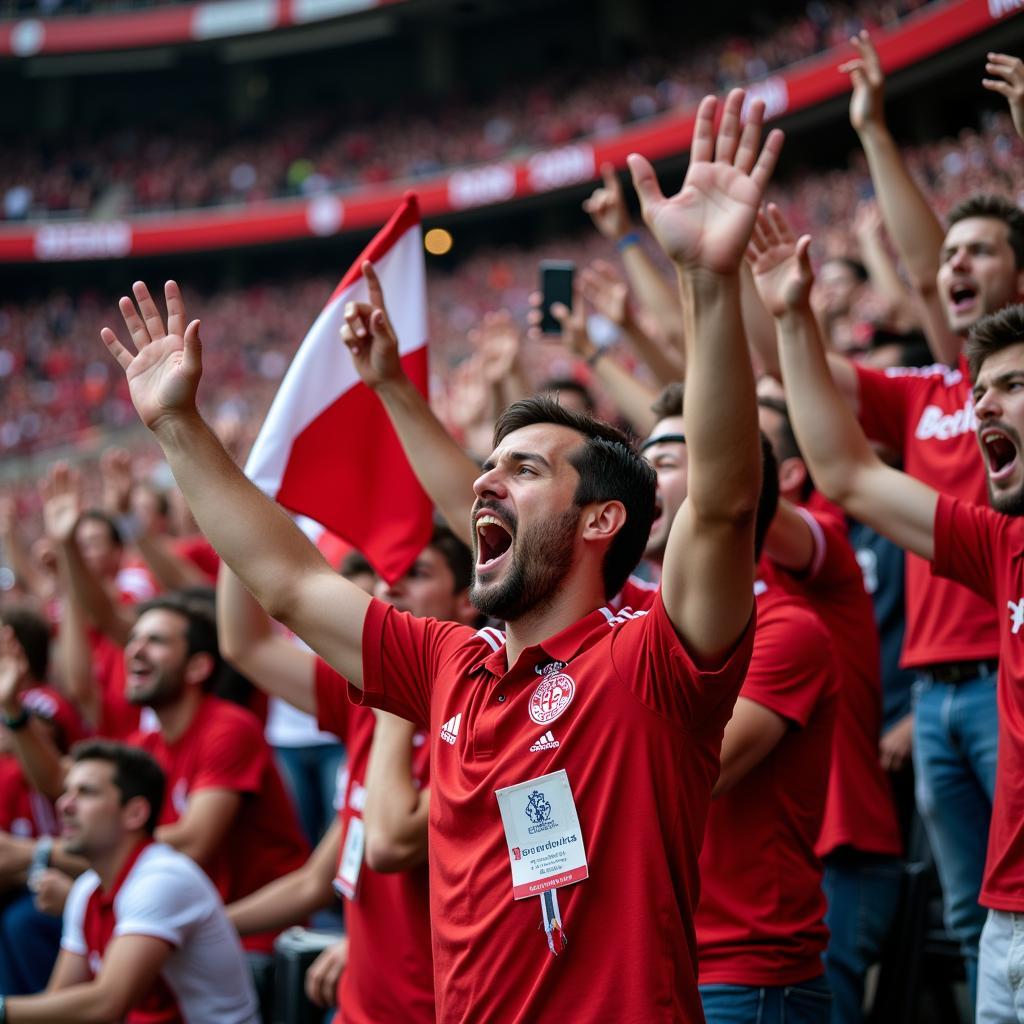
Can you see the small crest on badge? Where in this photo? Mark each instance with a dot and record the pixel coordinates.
(553, 695)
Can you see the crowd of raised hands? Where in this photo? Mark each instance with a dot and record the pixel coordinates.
(55, 389)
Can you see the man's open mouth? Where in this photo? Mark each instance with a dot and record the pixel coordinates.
(1000, 453)
(962, 296)
(493, 540)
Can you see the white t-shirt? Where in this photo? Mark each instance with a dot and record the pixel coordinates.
(167, 896)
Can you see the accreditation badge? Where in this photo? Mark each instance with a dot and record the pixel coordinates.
(545, 844)
(350, 867)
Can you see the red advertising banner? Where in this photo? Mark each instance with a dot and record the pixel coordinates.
(804, 85)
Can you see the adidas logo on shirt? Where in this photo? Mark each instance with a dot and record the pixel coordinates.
(546, 742)
(450, 729)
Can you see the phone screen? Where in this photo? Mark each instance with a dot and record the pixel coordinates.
(555, 286)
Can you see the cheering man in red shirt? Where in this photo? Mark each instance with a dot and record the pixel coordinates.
(967, 543)
(573, 759)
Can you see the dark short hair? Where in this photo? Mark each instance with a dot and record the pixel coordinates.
(669, 402)
(200, 625)
(768, 500)
(33, 634)
(457, 556)
(97, 515)
(788, 446)
(136, 773)
(609, 469)
(355, 564)
(995, 208)
(557, 384)
(992, 333)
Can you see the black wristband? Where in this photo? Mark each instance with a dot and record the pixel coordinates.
(19, 721)
(591, 361)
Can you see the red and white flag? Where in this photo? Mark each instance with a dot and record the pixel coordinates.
(327, 449)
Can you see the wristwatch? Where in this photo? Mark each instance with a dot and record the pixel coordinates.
(19, 721)
(40, 860)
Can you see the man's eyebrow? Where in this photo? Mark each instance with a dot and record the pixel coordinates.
(489, 464)
(529, 457)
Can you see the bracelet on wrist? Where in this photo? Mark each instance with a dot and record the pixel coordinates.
(14, 723)
(628, 239)
(591, 361)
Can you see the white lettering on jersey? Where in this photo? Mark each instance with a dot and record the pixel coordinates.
(937, 424)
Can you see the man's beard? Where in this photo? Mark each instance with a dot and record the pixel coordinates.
(536, 572)
(1009, 503)
(162, 689)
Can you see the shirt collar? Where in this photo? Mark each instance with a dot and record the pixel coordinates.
(561, 647)
(107, 898)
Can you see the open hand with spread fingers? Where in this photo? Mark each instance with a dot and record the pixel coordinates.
(607, 206)
(164, 372)
(781, 264)
(867, 101)
(61, 491)
(370, 337)
(1006, 77)
(707, 224)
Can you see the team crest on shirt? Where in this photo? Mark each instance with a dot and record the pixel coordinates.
(553, 695)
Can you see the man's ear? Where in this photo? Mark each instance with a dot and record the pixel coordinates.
(198, 668)
(603, 519)
(135, 813)
(793, 475)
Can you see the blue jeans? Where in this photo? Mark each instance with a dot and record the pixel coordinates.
(29, 942)
(310, 774)
(863, 895)
(956, 732)
(807, 1002)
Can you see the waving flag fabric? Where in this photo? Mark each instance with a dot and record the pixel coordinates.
(326, 449)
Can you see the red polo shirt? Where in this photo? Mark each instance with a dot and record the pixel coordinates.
(24, 811)
(761, 914)
(224, 748)
(859, 812)
(637, 727)
(927, 416)
(985, 550)
(390, 971)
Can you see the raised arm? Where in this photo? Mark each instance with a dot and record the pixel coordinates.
(396, 811)
(605, 290)
(443, 469)
(257, 539)
(708, 578)
(607, 209)
(247, 639)
(912, 224)
(842, 462)
(62, 506)
(291, 898)
(1008, 80)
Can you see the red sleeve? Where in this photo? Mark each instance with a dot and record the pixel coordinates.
(793, 664)
(199, 551)
(333, 708)
(234, 755)
(883, 406)
(54, 708)
(650, 658)
(834, 563)
(966, 544)
(402, 656)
